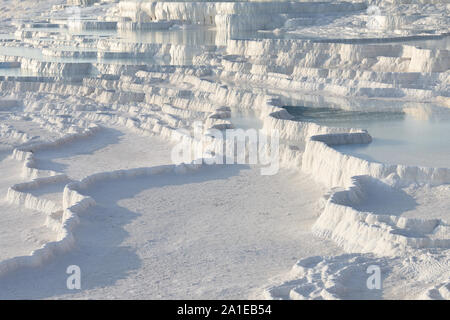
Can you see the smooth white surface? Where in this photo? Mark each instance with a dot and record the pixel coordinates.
(87, 127)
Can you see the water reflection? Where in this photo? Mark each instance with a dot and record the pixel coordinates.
(398, 137)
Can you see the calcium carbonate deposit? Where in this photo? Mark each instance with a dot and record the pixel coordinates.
(96, 95)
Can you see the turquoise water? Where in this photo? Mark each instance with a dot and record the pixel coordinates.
(398, 138)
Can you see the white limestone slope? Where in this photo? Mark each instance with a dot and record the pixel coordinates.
(84, 103)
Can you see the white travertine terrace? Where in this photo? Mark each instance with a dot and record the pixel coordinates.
(112, 68)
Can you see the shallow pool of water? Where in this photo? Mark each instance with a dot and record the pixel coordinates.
(398, 138)
(36, 53)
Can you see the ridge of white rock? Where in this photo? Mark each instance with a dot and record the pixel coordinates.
(439, 292)
(63, 219)
(366, 232)
(65, 78)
